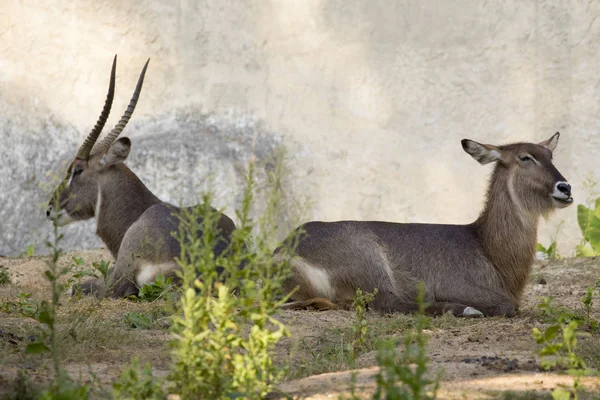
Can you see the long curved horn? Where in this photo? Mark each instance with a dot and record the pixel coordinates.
(104, 145)
(86, 147)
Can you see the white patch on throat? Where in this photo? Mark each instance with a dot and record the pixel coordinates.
(515, 199)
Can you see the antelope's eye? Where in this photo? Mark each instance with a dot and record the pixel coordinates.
(525, 158)
(77, 171)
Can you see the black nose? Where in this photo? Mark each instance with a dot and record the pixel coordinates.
(564, 188)
(48, 211)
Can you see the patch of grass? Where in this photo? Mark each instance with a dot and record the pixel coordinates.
(327, 353)
(527, 395)
(25, 305)
(139, 320)
(331, 350)
(5, 278)
(22, 388)
(62, 386)
(589, 350)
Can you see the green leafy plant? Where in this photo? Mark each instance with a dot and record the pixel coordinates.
(224, 341)
(558, 344)
(77, 274)
(137, 383)
(160, 288)
(102, 268)
(589, 223)
(402, 374)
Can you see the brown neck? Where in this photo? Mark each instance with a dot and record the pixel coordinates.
(508, 233)
(123, 198)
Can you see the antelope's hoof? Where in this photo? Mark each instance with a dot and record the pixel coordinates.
(470, 312)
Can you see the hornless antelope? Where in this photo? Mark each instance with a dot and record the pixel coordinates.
(468, 270)
(134, 224)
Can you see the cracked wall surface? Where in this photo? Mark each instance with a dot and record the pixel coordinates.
(371, 98)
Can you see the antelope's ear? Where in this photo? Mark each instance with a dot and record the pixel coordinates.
(117, 153)
(484, 153)
(551, 143)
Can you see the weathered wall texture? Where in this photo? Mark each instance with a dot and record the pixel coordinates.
(371, 97)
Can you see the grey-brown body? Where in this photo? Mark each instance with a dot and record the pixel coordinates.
(136, 226)
(474, 269)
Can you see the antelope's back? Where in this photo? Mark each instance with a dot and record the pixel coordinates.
(154, 233)
(423, 249)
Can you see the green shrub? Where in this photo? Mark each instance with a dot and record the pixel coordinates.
(224, 341)
(558, 344)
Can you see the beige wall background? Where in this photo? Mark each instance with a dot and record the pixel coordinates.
(370, 97)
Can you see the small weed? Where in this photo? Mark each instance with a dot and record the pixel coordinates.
(137, 383)
(4, 276)
(102, 268)
(74, 281)
(359, 326)
(588, 299)
(402, 375)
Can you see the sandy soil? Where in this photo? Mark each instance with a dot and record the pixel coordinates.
(476, 357)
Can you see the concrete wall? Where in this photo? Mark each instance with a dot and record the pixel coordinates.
(370, 97)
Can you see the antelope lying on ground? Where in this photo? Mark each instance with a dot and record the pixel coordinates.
(468, 270)
(134, 224)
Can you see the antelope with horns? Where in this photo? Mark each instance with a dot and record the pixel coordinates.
(134, 224)
(468, 270)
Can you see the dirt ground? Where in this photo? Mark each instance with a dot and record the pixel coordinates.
(477, 358)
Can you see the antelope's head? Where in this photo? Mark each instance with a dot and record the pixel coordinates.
(76, 196)
(526, 171)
